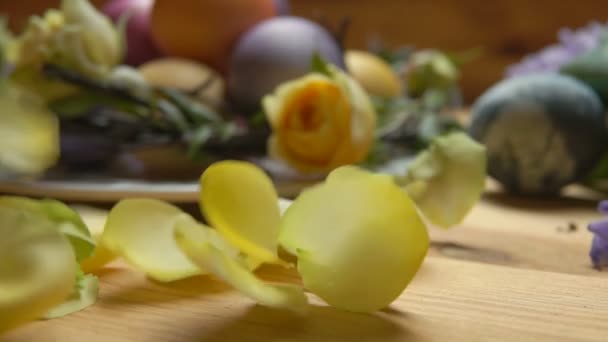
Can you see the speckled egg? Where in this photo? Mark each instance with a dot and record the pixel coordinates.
(542, 132)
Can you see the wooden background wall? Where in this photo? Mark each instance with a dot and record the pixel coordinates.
(505, 29)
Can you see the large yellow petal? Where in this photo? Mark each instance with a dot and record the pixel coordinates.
(202, 248)
(240, 201)
(37, 267)
(141, 231)
(359, 240)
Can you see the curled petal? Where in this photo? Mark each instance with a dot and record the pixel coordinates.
(200, 246)
(141, 231)
(95, 220)
(240, 201)
(447, 179)
(83, 296)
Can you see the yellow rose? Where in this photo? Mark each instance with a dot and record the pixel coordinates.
(320, 122)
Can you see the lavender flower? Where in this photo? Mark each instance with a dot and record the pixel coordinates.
(599, 245)
(571, 45)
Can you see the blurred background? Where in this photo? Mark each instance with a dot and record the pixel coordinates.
(504, 30)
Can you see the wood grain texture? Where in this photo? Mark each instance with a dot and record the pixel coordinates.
(506, 30)
(540, 234)
(448, 301)
(508, 273)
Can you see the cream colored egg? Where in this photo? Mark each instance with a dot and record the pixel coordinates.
(373, 73)
(186, 75)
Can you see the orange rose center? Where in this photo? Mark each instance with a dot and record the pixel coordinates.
(314, 122)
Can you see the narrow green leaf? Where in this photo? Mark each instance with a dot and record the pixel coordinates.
(318, 64)
(197, 139)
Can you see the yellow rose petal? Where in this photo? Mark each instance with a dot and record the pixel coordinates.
(95, 219)
(68, 222)
(273, 103)
(37, 267)
(448, 178)
(141, 231)
(240, 201)
(359, 240)
(198, 244)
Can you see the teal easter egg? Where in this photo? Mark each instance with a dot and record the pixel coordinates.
(541, 132)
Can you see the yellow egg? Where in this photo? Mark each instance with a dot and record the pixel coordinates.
(186, 75)
(373, 73)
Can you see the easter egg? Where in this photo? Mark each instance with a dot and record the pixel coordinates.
(185, 75)
(373, 73)
(273, 52)
(541, 132)
(205, 30)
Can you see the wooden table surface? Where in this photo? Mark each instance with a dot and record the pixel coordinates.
(513, 271)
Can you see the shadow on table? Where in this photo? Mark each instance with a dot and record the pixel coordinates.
(320, 323)
(124, 287)
(573, 197)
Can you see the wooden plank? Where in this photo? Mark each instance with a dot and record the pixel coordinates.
(448, 301)
(505, 30)
(524, 233)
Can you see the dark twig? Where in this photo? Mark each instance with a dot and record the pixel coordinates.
(204, 85)
(341, 32)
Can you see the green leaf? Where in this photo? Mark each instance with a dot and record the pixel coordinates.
(392, 114)
(258, 119)
(86, 289)
(318, 64)
(397, 57)
(194, 110)
(82, 103)
(197, 138)
(434, 99)
(173, 115)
